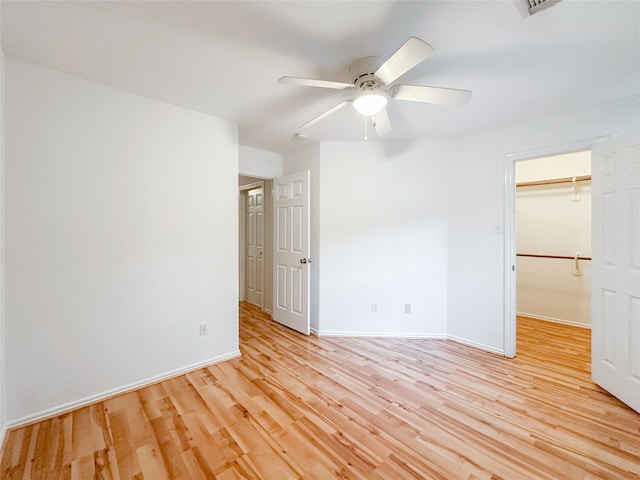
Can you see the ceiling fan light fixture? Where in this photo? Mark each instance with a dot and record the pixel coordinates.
(370, 103)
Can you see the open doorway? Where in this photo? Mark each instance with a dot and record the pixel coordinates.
(281, 274)
(616, 181)
(553, 239)
(255, 237)
(510, 258)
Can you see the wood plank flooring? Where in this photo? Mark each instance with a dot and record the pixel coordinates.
(352, 408)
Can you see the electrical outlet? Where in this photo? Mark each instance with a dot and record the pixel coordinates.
(374, 308)
(407, 308)
(204, 328)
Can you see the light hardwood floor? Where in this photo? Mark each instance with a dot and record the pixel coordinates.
(323, 408)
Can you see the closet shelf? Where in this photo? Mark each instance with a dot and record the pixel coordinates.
(563, 257)
(553, 181)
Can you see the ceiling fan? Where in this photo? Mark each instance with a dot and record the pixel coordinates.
(371, 80)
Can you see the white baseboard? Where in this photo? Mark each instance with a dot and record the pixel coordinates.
(83, 402)
(555, 320)
(480, 346)
(64, 408)
(328, 333)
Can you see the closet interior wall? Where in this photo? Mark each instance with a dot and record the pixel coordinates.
(553, 238)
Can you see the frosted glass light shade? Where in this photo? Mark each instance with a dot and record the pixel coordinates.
(370, 103)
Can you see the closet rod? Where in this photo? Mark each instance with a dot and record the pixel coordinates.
(553, 181)
(564, 257)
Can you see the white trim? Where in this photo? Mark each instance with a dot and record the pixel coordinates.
(509, 239)
(250, 172)
(60, 409)
(242, 284)
(477, 345)
(439, 336)
(242, 247)
(3, 378)
(251, 186)
(554, 150)
(555, 320)
(3, 434)
(509, 281)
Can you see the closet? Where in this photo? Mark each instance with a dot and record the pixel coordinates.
(553, 238)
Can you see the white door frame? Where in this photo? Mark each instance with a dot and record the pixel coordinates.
(510, 228)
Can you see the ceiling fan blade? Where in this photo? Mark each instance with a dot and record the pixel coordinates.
(440, 96)
(381, 122)
(326, 114)
(404, 59)
(311, 82)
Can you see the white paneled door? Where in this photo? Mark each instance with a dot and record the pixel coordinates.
(615, 357)
(291, 251)
(255, 246)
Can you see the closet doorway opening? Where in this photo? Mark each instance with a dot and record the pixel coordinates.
(553, 239)
(255, 221)
(583, 147)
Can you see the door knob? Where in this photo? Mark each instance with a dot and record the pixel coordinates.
(304, 261)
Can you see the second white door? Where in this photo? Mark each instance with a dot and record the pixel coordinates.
(255, 246)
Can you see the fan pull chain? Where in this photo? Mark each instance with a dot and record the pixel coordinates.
(365, 129)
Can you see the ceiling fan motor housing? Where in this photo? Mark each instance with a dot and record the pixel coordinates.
(363, 72)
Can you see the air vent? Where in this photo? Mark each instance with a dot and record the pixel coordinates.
(535, 6)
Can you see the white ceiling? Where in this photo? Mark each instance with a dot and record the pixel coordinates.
(224, 58)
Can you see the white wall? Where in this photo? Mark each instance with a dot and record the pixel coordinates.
(422, 223)
(381, 235)
(253, 162)
(552, 221)
(121, 237)
(476, 272)
(556, 166)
